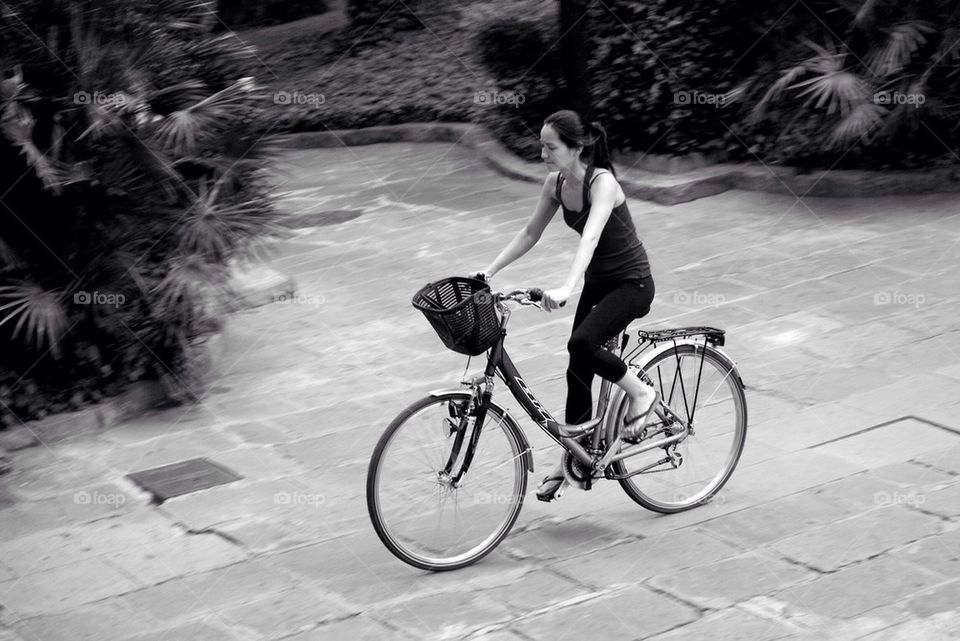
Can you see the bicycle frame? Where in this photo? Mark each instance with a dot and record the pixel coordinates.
(593, 456)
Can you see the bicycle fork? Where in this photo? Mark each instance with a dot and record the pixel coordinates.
(479, 407)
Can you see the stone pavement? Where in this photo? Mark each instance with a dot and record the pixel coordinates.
(841, 315)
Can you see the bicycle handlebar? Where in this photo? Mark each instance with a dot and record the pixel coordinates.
(533, 295)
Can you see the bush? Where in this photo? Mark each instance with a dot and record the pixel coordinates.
(526, 85)
(136, 175)
(391, 16)
(842, 74)
(236, 13)
(654, 62)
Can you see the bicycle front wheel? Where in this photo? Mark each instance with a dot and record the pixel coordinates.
(703, 390)
(423, 517)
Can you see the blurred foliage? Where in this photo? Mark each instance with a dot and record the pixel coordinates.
(238, 13)
(646, 54)
(747, 80)
(133, 172)
(527, 83)
(865, 83)
(377, 17)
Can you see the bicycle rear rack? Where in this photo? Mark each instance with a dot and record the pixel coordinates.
(712, 335)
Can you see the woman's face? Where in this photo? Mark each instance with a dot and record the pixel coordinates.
(555, 154)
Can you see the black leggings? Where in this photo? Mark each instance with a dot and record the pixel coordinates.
(604, 310)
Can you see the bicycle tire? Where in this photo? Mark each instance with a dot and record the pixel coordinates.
(382, 524)
(723, 363)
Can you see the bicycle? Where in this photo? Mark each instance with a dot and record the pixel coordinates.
(430, 470)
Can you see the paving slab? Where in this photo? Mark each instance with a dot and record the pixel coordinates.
(66, 587)
(625, 613)
(724, 583)
(859, 588)
(732, 624)
(832, 546)
(107, 620)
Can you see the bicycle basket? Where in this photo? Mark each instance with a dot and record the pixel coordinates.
(462, 312)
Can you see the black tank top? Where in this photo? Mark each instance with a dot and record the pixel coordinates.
(620, 254)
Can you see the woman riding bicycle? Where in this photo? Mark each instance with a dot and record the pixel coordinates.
(611, 259)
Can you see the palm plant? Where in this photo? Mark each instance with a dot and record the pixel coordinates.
(138, 171)
(873, 75)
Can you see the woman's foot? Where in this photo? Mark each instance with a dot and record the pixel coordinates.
(636, 421)
(552, 486)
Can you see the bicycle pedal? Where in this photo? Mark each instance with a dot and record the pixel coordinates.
(555, 495)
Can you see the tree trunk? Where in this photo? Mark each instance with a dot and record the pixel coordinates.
(573, 54)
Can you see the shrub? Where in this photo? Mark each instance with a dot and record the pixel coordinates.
(526, 84)
(874, 84)
(390, 16)
(653, 63)
(235, 13)
(137, 174)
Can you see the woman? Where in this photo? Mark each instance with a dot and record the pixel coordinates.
(610, 258)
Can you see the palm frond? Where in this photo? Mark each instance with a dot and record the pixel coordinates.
(182, 290)
(87, 48)
(866, 13)
(17, 123)
(858, 124)
(836, 90)
(37, 311)
(220, 231)
(897, 51)
(786, 79)
(193, 15)
(185, 131)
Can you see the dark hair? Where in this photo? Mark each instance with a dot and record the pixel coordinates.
(575, 132)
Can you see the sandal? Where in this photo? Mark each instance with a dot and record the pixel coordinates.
(628, 432)
(552, 486)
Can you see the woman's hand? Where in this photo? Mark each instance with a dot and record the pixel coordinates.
(479, 276)
(553, 298)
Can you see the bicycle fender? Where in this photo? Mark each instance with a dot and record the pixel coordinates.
(667, 347)
(507, 416)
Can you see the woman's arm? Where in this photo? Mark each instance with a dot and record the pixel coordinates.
(527, 237)
(603, 196)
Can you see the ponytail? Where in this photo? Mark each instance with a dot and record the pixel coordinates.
(601, 149)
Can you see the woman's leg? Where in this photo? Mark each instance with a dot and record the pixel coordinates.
(617, 308)
(603, 312)
(580, 372)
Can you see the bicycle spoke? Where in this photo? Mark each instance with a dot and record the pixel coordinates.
(711, 451)
(469, 519)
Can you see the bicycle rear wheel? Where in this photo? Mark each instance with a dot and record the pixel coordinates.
(698, 382)
(418, 513)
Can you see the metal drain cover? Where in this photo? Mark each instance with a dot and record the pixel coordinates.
(177, 479)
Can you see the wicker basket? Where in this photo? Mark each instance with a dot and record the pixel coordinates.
(462, 312)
